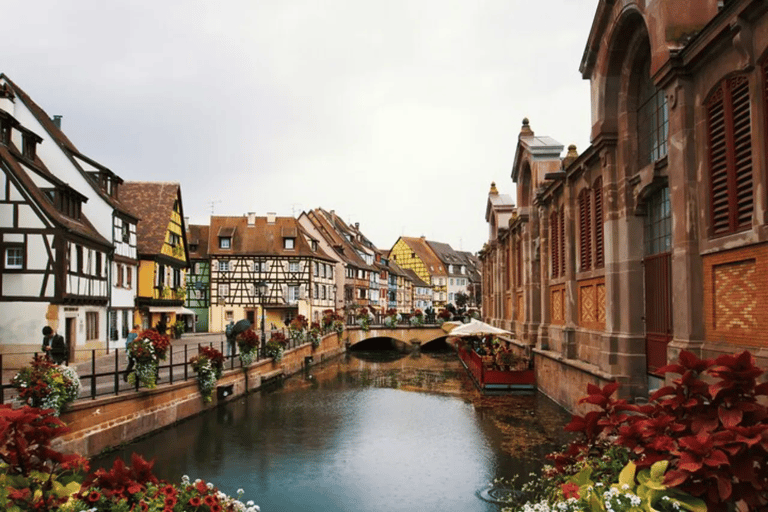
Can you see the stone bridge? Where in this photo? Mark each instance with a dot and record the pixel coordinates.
(408, 337)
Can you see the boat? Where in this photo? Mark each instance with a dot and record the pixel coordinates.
(489, 379)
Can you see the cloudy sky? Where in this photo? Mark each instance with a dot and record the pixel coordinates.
(396, 114)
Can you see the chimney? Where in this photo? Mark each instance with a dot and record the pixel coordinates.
(357, 226)
(7, 99)
(57, 121)
(251, 218)
(271, 217)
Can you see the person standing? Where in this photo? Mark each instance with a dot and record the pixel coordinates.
(54, 345)
(131, 336)
(230, 335)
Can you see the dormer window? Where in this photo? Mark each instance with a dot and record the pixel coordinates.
(29, 143)
(225, 242)
(289, 243)
(67, 201)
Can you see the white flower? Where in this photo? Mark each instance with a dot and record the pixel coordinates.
(209, 485)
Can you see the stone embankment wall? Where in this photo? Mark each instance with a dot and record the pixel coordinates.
(107, 422)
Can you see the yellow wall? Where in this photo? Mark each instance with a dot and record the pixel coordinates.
(402, 256)
(146, 285)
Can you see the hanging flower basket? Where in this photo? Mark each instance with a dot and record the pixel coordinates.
(276, 346)
(46, 385)
(364, 319)
(208, 365)
(147, 350)
(314, 334)
(248, 346)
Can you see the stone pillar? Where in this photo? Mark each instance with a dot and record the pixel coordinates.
(544, 258)
(684, 186)
(571, 310)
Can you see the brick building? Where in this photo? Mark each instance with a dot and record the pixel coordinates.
(654, 239)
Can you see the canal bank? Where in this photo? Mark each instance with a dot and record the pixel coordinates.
(367, 431)
(106, 422)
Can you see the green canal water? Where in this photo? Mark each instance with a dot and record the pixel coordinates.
(371, 431)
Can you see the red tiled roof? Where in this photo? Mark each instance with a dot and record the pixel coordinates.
(152, 203)
(422, 250)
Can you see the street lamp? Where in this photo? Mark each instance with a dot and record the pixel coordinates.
(261, 287)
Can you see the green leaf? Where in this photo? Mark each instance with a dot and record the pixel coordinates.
(658, 469)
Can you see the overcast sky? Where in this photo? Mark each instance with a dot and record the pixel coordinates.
(395, 114)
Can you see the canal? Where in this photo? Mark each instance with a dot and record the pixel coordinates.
(370, 431)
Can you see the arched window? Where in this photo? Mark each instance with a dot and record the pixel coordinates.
(652, 115)
(730, 156)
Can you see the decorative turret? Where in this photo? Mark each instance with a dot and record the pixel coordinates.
(525, 130)
(570, 157)
(493, 191)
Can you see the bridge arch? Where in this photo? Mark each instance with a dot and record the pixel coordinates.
(406, 337)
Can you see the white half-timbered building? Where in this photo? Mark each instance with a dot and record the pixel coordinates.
(109, 215)
(54, 260)
(267, 264)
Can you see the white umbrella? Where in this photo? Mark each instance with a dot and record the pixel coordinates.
(477, 328)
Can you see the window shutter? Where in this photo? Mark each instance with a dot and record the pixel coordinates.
(599, 248)
(730, 156)
(562, 241)
(585, 231)
(742, 153)
(554, 243)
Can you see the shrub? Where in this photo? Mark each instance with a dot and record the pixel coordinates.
(715, 435)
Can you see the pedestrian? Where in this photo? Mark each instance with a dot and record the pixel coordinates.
(229, 333)
(54, 345)
(161, 326)
(131, 336)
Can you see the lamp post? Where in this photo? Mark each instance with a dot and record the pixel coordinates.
(261, 286)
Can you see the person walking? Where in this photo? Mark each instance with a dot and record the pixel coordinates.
(54, 345)
(131, 336)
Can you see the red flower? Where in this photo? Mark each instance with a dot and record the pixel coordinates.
(570, 490)
(168, 490)
(215, 508)
(195, 501)
(201, 487)
(170, 501)
(210, 500)
(94, 496)
(144, 506)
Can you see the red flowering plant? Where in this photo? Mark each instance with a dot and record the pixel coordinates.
(417, 317)
(445, 315)
(276, 346)
(135, 488)
(33, 476)
(392, 318)
(248, 345)
(297, 327)
(314, 333)
(364, 318)
(208, 364)
(332, 321)
(46, 385)
(710, 424)
(147, 350)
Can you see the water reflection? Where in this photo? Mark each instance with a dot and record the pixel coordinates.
(362, 433)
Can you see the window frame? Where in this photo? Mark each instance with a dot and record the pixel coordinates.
(23, 255)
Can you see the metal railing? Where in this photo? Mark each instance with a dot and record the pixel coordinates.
(102, 372)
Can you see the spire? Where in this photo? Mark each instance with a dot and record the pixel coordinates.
(525, 130)
(494, 191)
(571, 156)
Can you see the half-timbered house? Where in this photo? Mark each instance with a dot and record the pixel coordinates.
(353, 252)
(54, 260)
(104, 207)
(162, 251)
(199, 277)
(266, 267)
(416, 254)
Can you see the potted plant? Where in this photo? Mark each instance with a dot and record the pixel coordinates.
(417, 317)
(276, 346)
(332, 321)
(248, 345)
(296, 328)
(364, 317)
(208, 364)
(178, 329)
(147, 350)
(392, 318)
(46, 385)
(314, 333)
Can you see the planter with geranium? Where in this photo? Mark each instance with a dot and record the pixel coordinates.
(417, 317)
(332, 321)
(208, 364)
(276, 346)
(147, 350)
(296, 329)
(364, 318)
(314, 334)
(248, 346)
(46, 385)
(392, 318)
(445, 315)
